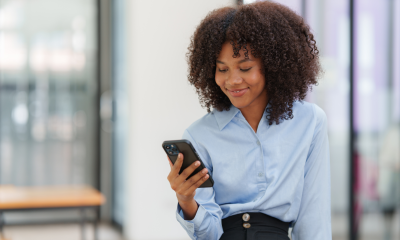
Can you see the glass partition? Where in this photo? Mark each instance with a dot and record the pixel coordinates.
(329, 21)
(377, 119)
(47, 92)
(121, 124)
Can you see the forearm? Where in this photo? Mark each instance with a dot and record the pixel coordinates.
(189, 209)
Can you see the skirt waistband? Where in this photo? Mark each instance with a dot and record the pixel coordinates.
(247, 220)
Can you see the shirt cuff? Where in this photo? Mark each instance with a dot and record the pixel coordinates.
(194, 224)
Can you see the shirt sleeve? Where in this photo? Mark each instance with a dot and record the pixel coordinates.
(207, 222)
(314, 219)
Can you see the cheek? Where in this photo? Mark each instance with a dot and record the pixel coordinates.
(256, 80)
(219, 81)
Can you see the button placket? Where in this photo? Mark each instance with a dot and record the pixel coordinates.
(261, 163)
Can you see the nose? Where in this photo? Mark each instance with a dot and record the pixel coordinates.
(234, 78)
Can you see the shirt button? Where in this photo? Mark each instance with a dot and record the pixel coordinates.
(260, 174)
(258, 143)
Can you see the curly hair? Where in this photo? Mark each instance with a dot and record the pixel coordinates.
(275, 34)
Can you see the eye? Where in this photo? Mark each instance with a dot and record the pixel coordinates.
(245, 70)
(220, 70)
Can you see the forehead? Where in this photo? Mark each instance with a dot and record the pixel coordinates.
(227, 53)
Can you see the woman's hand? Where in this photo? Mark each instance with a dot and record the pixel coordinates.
(186, 189)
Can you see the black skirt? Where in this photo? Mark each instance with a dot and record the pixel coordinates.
(254, 226)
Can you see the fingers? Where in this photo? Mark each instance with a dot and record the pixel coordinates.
(178, 164)
(189, 187)
(198, 183)
(194, 179)
(178, 182)
(189, 170)
(175, 168)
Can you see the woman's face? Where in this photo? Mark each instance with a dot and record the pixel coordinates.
(241, 79)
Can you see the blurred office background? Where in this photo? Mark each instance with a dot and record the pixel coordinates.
(89, 89)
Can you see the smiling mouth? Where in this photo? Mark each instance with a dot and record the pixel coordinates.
(237, 92)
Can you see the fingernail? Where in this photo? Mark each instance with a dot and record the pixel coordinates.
(197, 163)
(204, 171)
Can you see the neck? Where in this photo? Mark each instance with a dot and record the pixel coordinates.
(254, 112)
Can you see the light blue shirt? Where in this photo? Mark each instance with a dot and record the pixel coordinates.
(282, 171)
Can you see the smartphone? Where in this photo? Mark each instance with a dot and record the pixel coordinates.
(174, 147)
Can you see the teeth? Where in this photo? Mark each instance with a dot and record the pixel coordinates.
(237, 91)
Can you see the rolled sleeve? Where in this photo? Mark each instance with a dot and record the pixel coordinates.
(314, 219)
(206, 224)
(191, 225)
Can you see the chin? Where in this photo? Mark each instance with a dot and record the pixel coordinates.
(239, 104)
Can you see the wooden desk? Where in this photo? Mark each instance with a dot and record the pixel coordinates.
(51, 197)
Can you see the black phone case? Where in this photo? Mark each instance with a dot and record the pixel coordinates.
(189, 156)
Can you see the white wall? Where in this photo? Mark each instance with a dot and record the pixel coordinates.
(162, 106)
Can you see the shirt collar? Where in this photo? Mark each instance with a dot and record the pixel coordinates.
(224, 117)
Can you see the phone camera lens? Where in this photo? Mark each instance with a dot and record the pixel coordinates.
(167, 147)
(170, 152)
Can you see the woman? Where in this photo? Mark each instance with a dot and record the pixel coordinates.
(265, 148)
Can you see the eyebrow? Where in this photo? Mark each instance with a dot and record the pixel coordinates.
(241, 61)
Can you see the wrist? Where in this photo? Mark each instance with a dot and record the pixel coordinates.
(189, 209)
(185, 203)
